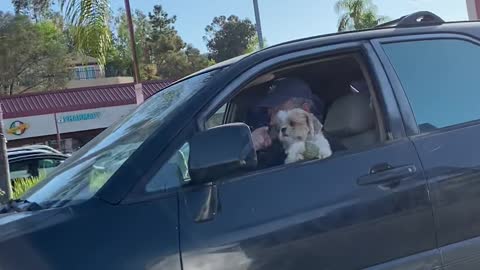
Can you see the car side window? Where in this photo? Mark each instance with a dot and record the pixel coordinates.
(217, 118)
(23, 169)
(45, 166)
(440, 79)
(173, 173)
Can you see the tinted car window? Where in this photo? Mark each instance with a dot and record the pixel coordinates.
(39, 167)
(173, 173)
(45, 166)
(440, 78)
(217, 118)
(23, 169)
(85, 172)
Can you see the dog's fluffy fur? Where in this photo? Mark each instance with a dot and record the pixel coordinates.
(295, 127)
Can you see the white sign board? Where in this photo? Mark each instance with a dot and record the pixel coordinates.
(42, 125)
(31, 126)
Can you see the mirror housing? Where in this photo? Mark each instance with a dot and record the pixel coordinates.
(220, 151)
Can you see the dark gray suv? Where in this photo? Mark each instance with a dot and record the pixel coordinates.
(177, 184)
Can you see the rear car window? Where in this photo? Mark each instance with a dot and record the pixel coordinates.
(440, 78)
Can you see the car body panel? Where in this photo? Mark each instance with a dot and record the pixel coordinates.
(311, 216)
(451, 160)
(93, 235)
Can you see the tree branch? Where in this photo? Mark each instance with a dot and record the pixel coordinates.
(30, 87)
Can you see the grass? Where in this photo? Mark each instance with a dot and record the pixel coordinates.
(22, 185)
(96, 181)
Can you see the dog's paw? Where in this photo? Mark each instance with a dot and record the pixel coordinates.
(294, 158)
(325, 154)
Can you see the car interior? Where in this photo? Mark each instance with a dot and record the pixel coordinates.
(340, 86)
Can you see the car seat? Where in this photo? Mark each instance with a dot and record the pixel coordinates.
(350, 119)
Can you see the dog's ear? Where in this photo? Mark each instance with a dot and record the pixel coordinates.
(313, 124)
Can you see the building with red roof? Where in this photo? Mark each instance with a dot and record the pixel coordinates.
(74, 116)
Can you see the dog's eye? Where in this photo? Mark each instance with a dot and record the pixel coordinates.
(292, 123)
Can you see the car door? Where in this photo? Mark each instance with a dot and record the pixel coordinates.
(337, 213)
(436, 80)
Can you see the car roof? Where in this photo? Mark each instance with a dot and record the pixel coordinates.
(33, 148)
(222, 64)
(24, 155)
(459, 27)
(389, 29)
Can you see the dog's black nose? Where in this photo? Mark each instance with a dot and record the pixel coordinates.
(283, 130)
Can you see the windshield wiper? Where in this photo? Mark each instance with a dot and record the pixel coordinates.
(20, 206)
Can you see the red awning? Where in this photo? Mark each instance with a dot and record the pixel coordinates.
(76, 99)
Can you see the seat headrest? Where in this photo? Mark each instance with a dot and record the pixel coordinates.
(349, 115)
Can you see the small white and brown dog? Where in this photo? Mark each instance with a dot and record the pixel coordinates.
(296, 129)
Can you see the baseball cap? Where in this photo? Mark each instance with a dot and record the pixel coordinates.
(283, 89)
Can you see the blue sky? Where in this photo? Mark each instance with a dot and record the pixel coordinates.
(282, 20)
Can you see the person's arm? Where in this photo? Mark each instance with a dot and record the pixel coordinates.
(261, 139)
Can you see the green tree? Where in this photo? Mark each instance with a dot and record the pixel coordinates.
(36, 9)
(32, 56)
(228, 37)
(172, 56)
(161, 51)
(118, 59)
(254, 46)
(89, 20)
(357, 15)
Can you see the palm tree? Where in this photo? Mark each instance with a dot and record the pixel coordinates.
(90, 25)
(89, 20)
(357, 14)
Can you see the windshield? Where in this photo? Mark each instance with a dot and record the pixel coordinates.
(83, 174)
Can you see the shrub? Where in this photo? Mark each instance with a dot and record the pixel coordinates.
(22, 185)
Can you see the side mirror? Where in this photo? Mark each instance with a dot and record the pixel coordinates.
(221, 151)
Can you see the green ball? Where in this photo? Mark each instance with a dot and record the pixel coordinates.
(311, 151)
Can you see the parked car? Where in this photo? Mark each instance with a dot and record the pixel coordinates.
(32, 162)
(159, 190)
(36, 147)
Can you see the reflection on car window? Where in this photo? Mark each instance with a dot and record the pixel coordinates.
(217, 118)
(45, 166)
(173, 173)
(83, 174)
(440, 78)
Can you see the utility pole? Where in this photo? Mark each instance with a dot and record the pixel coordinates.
(5, 185)
(136, 75)
(136, 72)
(258, 24)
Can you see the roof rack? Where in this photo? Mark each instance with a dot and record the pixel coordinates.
(421, 18)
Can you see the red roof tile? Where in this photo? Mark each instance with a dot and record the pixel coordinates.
(76, 99)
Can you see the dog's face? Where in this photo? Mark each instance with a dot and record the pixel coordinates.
(294, 125)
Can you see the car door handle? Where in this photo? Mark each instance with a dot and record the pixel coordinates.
(387, 175)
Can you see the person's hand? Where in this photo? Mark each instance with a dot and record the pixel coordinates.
(261, 139)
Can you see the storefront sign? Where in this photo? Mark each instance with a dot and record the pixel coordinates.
(79, 117)
(28, 127)
(44, 125)
(91, 119)
(17, 128)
